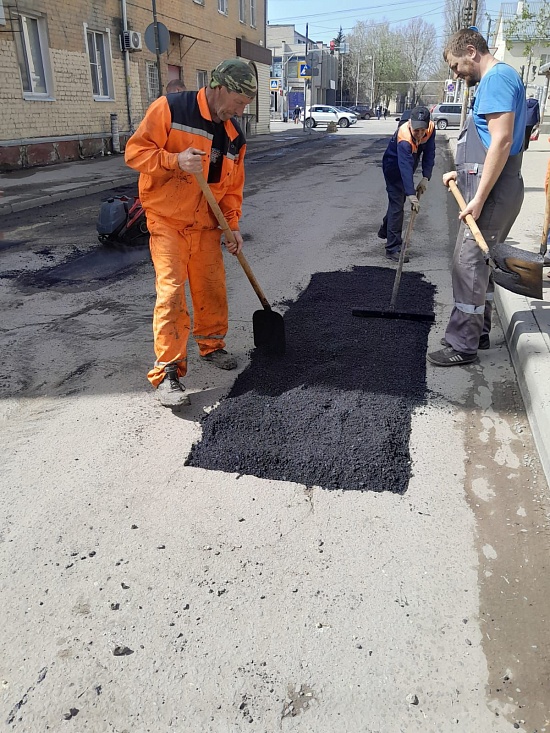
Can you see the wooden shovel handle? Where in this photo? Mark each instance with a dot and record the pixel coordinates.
(470, 221)
(222, 221)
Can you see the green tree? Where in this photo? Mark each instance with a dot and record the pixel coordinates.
(422, 57)
(530, 26)
(384, 63)
(372, 43)
(339, 38)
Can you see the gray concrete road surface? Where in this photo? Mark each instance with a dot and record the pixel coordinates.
(142, 595)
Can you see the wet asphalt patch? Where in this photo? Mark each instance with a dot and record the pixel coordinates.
(84, 271)
(336, 410)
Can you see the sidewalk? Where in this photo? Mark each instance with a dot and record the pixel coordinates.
(525, 322)
(31, 187)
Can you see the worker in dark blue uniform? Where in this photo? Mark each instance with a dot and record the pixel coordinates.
(414, 139)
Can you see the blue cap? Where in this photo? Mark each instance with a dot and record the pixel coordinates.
(420, 118)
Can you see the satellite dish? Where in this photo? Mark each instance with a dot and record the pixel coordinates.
(164, 38)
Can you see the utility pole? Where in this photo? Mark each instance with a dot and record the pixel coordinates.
(469, 13)
(357, 80)
(372, 85)
(321, 87)
(283, 84)
(305, 80)
(342, 81)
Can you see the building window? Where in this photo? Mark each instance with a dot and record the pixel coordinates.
(253, 13)
(99, 55)
(153, 89)
(242, 11)
(222, 6)
(202, 78)
(33, 57)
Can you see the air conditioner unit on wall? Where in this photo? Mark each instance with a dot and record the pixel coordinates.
(130, 41)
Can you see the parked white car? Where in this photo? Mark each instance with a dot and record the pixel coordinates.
(322, 114)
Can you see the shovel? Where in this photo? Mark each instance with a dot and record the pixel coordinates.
(268, 327)
(391, 312)
(513, 269)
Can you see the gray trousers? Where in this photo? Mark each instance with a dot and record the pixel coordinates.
(472, 284)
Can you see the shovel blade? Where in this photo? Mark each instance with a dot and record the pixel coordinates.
(269, 332)
(517, 270)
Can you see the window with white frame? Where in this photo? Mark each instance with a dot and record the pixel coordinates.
(202, 78)
(253, 13)
(242, 11)
(33, 56)
(99, 56)
(222, 6)
(153, 88)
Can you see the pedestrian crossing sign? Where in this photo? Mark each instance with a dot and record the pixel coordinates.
(274, 84)
(305, 71)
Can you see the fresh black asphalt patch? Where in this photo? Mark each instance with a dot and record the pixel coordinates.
(336, 410)
(84, 271)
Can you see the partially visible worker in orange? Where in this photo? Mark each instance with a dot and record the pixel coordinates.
(182, 134)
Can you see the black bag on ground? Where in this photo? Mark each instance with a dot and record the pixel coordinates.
(122, 220)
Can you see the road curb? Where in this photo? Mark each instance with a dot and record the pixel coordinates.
(529, 349)
(78, 192)
(255, 148)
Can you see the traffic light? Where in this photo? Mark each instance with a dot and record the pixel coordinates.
(467, 12)
(332, 47)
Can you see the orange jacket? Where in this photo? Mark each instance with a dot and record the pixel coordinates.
(173, 124)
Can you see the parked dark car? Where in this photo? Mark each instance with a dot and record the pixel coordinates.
(362, 111)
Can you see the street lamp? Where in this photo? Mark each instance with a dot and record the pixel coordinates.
(372, 81)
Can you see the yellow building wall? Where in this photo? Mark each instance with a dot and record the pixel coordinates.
(200, 37)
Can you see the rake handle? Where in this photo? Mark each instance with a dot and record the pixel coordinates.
(222, 221)
(470, 221)
(404, 248)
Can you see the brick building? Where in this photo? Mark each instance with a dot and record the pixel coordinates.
(69, 91)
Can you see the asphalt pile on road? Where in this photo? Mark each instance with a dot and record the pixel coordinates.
(335, 411)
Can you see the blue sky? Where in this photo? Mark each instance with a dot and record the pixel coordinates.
(326, 16)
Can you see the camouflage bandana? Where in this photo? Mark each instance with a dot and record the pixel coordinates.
(237, 76)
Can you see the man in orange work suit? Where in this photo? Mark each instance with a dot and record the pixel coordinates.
(183, 134)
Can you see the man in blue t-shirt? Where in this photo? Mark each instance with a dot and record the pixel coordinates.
(488, 162)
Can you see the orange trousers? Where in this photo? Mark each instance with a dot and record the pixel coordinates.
(193, 255)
